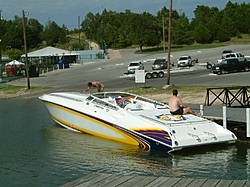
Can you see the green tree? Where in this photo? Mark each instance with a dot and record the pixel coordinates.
(205, 17)
(14, 54)
(33, 32)
(123, 42)
(93, 26)
(202, 15)
(213, 27)
(231, 18)
(222, 36)
(51, 33)
(120, 30)
(182, 33)
(124, 29)
(244, 24)
(62, 38)
(201, 34)
(144, 30)
(110, 26)
(14, 33)
(226, 29)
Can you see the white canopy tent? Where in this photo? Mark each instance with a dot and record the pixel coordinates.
(14, 62)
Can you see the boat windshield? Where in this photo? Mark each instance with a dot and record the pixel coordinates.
(102, 103)
(115, 95)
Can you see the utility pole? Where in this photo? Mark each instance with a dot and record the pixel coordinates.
(26, 55)
(169, 41)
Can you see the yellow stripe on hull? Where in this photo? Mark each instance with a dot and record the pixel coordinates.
(145, 128)
(120, 135)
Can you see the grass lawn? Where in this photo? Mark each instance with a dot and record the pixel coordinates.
(7, 91)
(157, 50)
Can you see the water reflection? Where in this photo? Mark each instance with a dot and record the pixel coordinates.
(93, 154)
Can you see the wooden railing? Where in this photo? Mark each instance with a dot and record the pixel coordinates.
(229, 96)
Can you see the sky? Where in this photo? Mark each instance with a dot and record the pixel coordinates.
(67, 11)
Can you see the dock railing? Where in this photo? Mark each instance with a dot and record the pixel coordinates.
(228, 96)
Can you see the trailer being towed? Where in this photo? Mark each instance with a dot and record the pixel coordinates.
(155, 74)
(150, 74)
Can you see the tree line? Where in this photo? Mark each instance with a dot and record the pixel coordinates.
(120, 30)
(111, 29)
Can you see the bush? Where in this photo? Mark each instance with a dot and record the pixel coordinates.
(100, 55)
(239, 35)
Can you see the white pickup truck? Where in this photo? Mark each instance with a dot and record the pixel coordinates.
(237, 55)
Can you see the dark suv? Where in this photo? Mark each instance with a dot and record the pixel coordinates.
(159, 64)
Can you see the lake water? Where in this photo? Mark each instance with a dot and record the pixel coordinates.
(35, 151)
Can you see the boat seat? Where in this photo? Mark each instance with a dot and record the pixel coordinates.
(134, 106)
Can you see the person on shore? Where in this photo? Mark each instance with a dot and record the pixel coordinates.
(177, 107)
(98, 85)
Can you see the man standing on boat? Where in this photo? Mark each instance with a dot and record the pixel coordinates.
(98, 85)
(177, 107)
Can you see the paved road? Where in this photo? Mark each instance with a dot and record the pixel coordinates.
(109, 72)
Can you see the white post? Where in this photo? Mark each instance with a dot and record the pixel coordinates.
(248, 122)
(201, 110)
(225, 117)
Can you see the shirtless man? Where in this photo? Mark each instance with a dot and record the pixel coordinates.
(98, 85)
(177, 107)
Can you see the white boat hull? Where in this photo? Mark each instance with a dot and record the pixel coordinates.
(141, 123)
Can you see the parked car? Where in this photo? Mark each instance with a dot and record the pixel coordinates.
(184, 61)
(159, 64)
(135, 65)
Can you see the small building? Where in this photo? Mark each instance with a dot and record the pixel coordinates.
(51, 55)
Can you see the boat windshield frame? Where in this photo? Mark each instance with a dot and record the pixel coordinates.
(100, 102)
(102, 95)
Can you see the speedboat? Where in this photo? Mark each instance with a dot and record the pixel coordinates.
(133, 119)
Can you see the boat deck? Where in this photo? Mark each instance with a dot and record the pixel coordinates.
(110, 180)
(163, 117)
